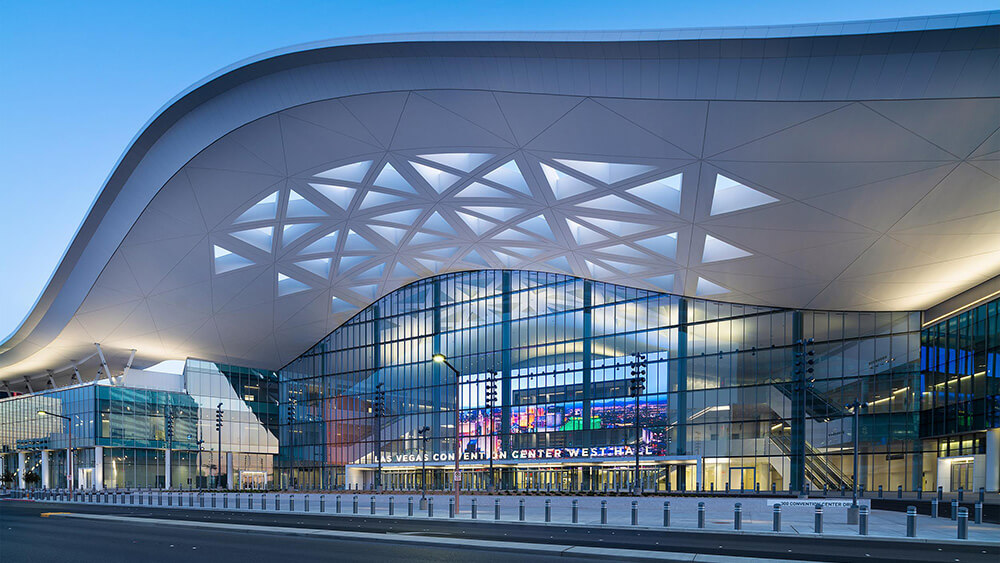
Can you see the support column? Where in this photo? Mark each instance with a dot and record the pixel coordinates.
(993, 460)
(99, 467)
(588, 303)
(167, 469)
(22, 467)
(681, 361)
(229, 471)
(798, 443)
(45, 469)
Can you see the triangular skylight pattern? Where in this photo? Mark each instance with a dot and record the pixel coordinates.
(299, 206)
(612, 202)
(607, 172)
(289, 285)
(260, 237)
(341, 196)
(706, 288)
(477, 224)
(583, 234)
(717, 250)
(263, 210)
(357, 242)
(319, 266)
(730, 195)
(354, 172)
(664, 245)
(292, 232)
(437, 179)
(326, 244)
(374, 199)
(390, 178)
(665, 192)
(562, 184)
(509, 175)
(227, 261)
(464, 161)
(477, 189)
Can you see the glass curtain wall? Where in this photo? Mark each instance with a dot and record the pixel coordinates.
(753, 396)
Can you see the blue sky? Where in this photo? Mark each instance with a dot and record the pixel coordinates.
(80, 78)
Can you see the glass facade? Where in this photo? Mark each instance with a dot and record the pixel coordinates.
(735, 395)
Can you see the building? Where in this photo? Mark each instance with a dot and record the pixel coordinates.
(773, 225)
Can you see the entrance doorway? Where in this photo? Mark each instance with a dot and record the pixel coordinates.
(85, 478)
(253, 479)
(742, 479)
(961, 475)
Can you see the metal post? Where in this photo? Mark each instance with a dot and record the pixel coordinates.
(666, 514)
(818, 525)
(430, 507)
(880, 491)
(451, 508)
(635, 513)
(701, 514)
(201, 500)
(548, 510)
(961, 494)
(520, 510)
(213, 500)
(372, 504)
(911, 521)
(940, 493)
(920, 493)
(392, 506)
(575, 512)
(277, 502)
(934, 508)
(963, 523)
(225, 501)
(354, 504)
(899, 491)
(954, 509)
(409, 506)
(979, 512)
(263, 501)
(776, 524)
(496, 509)
(604, 512)
(863, 521)
(337, 504)
(738, 516)
(982, 494)
(322, 503)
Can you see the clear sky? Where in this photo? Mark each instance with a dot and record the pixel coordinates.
(78, 80)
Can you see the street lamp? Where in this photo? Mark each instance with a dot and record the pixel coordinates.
(856, 406)
(441, 359)
(69, 452)
(491, 401)
(218, 426)
(423, 432)
(377, 415)
(637, 386)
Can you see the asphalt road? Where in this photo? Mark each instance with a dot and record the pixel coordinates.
(25, 536)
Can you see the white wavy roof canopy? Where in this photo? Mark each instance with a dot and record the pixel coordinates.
(832, 166)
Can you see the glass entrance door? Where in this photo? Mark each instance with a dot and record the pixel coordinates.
(961, 475)
(742, 479)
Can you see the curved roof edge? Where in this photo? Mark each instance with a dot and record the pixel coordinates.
(83, 260)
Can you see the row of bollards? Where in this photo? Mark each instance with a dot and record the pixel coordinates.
(958, 513)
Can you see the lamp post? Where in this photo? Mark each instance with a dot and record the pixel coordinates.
(636, 387)
(423, 432)
(377, 415)
(218, 426)
(441, 359)
(69, 451)
(852, 512)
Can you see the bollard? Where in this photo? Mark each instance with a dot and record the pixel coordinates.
(475, 509)
(920, 493)
(774, 488)
(159, 499)
(738, 516)
(940, 493)
(982, 494)
(201, 500)
(880, 491)
(190, 500)
(863, 521)
(392, 505)
(701, 514)
(451, 508)
(249, 501)
(263, 501)
(277, 502)
(337, 504)
(548, 510)
(934, 508)
(322, 503)
(213, 500)
(818, 524)
(635, 513)
(961, 494)
(954, 509)
(354, 504)
(963, 523)
(225, 500)
(409, 506)
(911, 521)
(575, 511)
(666, 514)
(140, 499)
(371, 504)
(520, 510)
(496, 509)
(979, 512)
(604, 512)
(899, 491)
(776, 524)
(237, 497)
(430, 507)
(131, 498)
